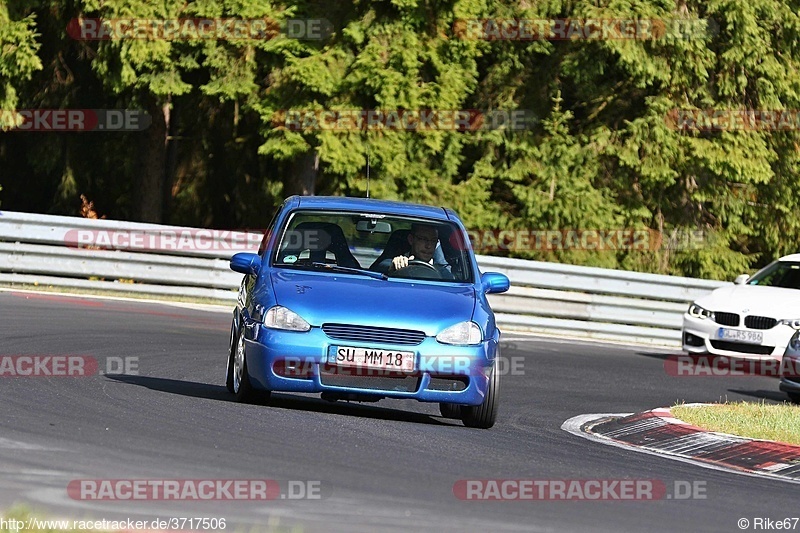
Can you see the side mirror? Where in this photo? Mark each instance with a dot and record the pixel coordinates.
(741, 279)
(246, 263)
(494, 282)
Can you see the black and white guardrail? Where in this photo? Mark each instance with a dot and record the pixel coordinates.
(548, 298)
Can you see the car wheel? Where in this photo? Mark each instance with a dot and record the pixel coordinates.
(794, 397)
(450, 410)
(241, 379)
(484, 415)
(229, 364)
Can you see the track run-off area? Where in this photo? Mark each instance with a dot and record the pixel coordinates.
(145, 407)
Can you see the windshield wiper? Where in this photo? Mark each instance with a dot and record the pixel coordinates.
(349, 270)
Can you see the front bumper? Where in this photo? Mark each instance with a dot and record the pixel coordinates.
(788, 385)
(790, 372)
(462, 378)
(702, 336)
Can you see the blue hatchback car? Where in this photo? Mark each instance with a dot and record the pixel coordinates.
(361, 299)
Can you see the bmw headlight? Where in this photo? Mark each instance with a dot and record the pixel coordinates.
(793, 323)
(794, 343)
(280, 317)
(695, 311)
(463, 333)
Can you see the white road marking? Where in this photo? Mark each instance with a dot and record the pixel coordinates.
(8, 444)
(211, 308)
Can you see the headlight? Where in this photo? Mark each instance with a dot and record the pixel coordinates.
(695, 311)
(280, 317)
(793, 323)
(463, 333)
(794, 343)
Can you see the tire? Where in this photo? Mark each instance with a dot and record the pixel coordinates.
(240, 378)
(450, 410)
(794, 397)
(229, 364)
(484, 415)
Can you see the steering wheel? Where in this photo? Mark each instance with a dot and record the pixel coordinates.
(418, 269)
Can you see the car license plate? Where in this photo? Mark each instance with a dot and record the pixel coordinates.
(370, 358)
(738, 335)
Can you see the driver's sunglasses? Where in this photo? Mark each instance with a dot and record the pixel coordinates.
(426, 240)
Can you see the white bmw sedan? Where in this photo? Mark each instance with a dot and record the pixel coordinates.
(754, 317)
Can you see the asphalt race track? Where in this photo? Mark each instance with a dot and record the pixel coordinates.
(389, 466)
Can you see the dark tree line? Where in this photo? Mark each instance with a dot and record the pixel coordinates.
(603, 152)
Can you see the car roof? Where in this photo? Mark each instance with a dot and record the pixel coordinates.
(792, 257)
(371, 205)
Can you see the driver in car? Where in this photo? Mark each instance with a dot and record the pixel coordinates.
(423, 240)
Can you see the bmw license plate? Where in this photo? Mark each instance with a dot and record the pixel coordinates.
(738, 335)
(370, 358)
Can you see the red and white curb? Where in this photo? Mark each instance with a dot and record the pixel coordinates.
(657, 432)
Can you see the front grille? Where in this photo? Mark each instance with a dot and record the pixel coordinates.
(742, 348)
(334, 377)
(726, 319)
(346, 332)
(760, 322)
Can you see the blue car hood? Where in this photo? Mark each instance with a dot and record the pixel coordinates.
(347, 299)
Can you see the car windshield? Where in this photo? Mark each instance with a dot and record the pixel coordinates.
(324, 240)
(783, 274)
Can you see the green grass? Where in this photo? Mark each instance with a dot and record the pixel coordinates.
(779, 422)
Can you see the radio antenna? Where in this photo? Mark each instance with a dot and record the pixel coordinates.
(367, 170)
